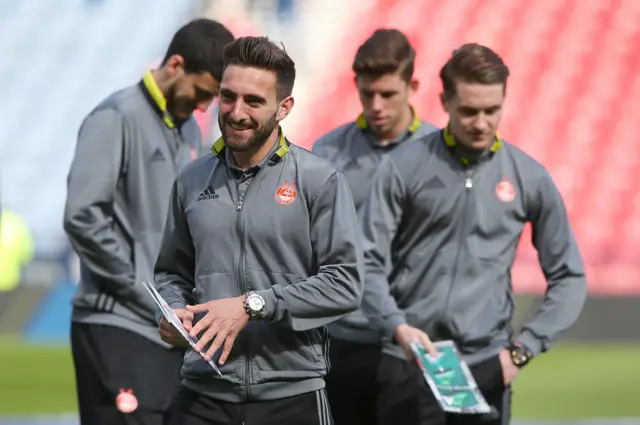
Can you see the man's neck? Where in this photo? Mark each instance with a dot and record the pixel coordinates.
(406, 118)
(162, 80)
(246, 159)
(468, 151)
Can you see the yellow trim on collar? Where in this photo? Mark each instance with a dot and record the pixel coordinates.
(450, 141)
(361, 121)
(218, 146)
(158, 98)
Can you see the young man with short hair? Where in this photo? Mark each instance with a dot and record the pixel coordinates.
(129, 150)
(383, 68)
(447, 211)
(260, 251)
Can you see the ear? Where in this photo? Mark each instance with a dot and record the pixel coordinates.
(444, 102)
(284, 108)
(414, 85)
(174, 66)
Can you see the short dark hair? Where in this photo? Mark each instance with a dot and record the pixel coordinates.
(260, 52)
(387, 51)
(473, 63)
(201, 44)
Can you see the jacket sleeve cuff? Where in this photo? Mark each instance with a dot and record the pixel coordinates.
(392, 323)
(173, 305)
(177, 304)
(270, 302)
(532, 343)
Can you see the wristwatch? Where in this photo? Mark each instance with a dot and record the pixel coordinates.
(254, 305)
(520, 355)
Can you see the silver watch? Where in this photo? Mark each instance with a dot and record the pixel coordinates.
(254, 305)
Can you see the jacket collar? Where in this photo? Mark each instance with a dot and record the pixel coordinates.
(156, 98)
(450, 142)
(361, 121)
(218, 148)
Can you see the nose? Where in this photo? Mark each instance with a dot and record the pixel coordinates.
(203, 106)
(376, 103)
(238, 112)
(480, 122)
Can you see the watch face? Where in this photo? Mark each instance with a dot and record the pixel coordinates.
(255, 303)
(519, 357)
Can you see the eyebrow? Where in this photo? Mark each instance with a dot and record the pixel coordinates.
(383, 92)
(250, 97)
(471, 108)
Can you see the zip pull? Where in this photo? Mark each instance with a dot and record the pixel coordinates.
(239, 206)
(468, 183)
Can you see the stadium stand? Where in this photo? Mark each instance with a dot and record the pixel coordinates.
(65, 56)
(568, 117)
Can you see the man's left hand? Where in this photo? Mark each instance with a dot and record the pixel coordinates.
(223, 321)
(509, 370)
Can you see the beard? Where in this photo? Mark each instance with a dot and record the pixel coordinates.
(179, 107)
(259, 133)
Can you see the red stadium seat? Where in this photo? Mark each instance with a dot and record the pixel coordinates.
(572, 99)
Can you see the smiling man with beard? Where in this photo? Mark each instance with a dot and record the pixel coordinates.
(260, 251)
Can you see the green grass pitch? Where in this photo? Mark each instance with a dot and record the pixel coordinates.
(571, 381)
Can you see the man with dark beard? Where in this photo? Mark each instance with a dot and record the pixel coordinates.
(129, 150)
(261, 250)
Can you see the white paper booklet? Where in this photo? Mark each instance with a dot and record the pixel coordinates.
(171, 316)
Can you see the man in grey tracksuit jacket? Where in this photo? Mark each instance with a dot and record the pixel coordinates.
(450, 229)
(285, 228)
(355, 345)
(356, 151)
(127, 157)
(119, 182)
(129, 150)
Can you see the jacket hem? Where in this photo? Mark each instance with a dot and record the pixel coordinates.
(363, 336)
(233, 393)
(152, 333)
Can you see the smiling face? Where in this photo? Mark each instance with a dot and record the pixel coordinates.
(249, 110)
(475, 112)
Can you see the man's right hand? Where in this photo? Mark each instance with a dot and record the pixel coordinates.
(406, 334)
(170, 334)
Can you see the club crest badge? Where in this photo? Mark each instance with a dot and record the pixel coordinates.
(505, 191)
(126, 402)
(286, 193)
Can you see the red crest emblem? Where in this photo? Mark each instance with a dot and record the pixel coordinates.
(286, 193)
(194, 154)
(505, 191)
(126, 402)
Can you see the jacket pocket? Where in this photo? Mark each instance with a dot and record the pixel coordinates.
(277, 352)
(145, 251)
(482, 304)
(281, 354)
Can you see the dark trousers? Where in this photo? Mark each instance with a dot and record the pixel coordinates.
(109, 361)
(352, 386)
(406, 398)
(191, 408)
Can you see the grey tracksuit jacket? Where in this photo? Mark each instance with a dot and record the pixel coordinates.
(286, 228)
(357, 152)
(450, 230)
(126, 159)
